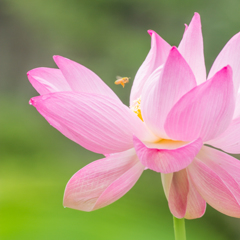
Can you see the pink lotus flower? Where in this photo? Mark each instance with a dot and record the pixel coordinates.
(173, 111)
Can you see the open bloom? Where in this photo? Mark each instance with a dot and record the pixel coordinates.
(174, 110)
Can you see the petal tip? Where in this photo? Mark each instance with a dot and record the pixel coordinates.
(38, 99)
(196, 15)
(68, 199)
(30, 72)
(196, 18)
(65, 205)
(174, 48)
(32, 102)
(174, 51)
(196, 21)
(150, 32)
(56, 58)
(227, 70)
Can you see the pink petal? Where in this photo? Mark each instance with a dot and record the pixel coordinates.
(216, 177)
(196, 206)
(183, 198)
(205, 111)
(156, 57)
(102, 182)
(237, 108)
(96, 122)
(229, 141)
(191, 47)
(178, 193)
(168, 86)
(47, 80)
(81, 79)
(230, 55)
(167, 160)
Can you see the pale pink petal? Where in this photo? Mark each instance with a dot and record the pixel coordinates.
(81, 79)
(168, 86)
(156, 57)
(229, 141)
(96, 122)
(230, 55)
(216, 177)
(184, 200)
(166, 182)
(237, 107)
(47, 80)
(191, 47)
(102, 182)
(178, 194)
(209, 156)
(205, 111)
(196, 205)
(167, 160)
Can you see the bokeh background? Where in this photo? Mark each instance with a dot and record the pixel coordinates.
(109, 37)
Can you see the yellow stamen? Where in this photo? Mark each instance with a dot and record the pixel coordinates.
(136, 108)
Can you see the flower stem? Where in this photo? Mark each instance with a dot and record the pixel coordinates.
(179, 228)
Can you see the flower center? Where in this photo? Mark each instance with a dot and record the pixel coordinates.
(136, 107)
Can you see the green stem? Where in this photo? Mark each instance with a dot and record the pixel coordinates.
(179, 228)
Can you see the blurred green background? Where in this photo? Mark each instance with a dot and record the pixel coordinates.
(110, 37)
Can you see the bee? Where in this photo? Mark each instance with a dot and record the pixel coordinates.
(122, 80)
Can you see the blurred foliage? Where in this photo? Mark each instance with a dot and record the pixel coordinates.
(109, 37)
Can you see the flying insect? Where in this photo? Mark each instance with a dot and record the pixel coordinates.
(122, 80)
